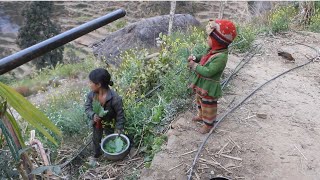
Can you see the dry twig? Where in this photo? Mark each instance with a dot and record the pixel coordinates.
(135, 159)
(221, 150)
(214, 163)
(233, 142)
(176, 167)
(231, 157)
(187, 153)
(300, 152)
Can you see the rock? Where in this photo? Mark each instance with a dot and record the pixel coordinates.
(262, 116)
(140, 34)
(24, 91)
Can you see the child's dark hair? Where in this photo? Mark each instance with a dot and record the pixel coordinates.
(101, 76)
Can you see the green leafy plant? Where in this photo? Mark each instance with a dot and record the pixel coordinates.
(280, 18)
(115, 145)
(98, 109)
(11, 129)
(136, 75)
(246, 35)
(315, 22)
(120, 24)
(28, 112)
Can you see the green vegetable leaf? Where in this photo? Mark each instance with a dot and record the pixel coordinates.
(98, 109)
(115, 146)
(119, 144)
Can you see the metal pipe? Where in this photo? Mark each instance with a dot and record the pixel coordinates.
(17, 59)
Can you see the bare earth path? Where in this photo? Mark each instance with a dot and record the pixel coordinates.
(283, 145)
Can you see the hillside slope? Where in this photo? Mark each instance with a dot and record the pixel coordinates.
(282, 145)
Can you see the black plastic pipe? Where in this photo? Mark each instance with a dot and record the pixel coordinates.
(15, 60)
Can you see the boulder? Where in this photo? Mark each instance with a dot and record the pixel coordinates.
(141, 34)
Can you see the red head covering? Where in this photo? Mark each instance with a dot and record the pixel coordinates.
(222, 33)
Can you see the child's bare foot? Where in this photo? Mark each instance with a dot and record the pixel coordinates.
(197, 119)
(93, 162)
(205, 129)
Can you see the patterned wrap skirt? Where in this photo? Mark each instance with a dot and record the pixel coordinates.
(207, 107)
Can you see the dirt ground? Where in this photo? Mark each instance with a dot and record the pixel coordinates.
(246, 145)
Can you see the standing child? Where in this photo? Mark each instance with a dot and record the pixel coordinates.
(110, 101)
(208, 70)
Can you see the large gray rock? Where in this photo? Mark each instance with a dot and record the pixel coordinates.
(141, 34)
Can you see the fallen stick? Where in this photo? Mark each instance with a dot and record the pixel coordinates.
(106, 172)
(214, 163)
(300, 152)
(219, 164)
(176, 167)
(231, 157)
(239, 177)
(134, 159)
(233, 142)
(221, 150)
(139, 164)
(234, 167)
(204, 166)
(249, 117)
(121, 164)
(227, 152)
(187, 153)
(93, 175)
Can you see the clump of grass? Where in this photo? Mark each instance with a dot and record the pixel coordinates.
(60, 71)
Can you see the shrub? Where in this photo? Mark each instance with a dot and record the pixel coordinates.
(6, 79)
(280, 19)
(246, 36)
(315, 22)
(67, 113)
(146, 120)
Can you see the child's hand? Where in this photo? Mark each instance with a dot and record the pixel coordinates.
(192, 65)
(96, 118)
(191, 58)
(118, 131)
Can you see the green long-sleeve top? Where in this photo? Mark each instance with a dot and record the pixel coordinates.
(206, 78)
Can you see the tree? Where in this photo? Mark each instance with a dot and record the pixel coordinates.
(38, 27)
(172, 12)
(307, 10)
